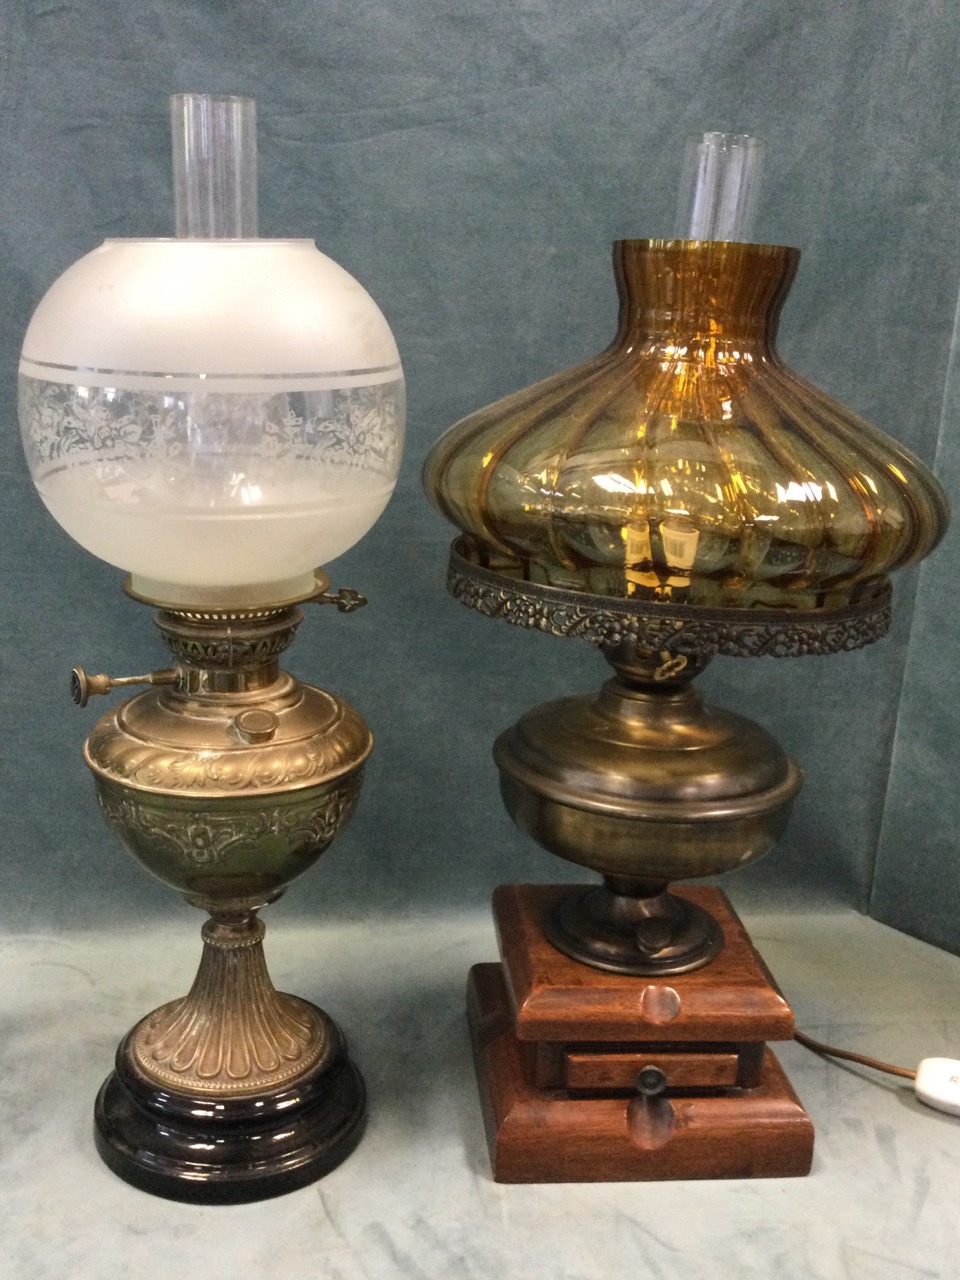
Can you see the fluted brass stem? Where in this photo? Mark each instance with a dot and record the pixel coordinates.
(234, 1033)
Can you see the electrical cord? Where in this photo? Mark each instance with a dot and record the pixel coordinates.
(829, 1051)
(936, 1081)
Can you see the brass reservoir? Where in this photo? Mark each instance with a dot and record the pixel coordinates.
(646, 783)
(232, 781)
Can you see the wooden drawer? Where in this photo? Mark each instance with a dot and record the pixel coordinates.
(587, 1068)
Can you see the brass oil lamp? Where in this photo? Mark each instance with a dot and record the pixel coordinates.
(217, 414)
(681, 495)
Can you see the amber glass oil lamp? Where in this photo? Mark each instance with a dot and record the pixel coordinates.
(681, 495)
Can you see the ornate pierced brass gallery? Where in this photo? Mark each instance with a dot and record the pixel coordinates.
(227, 780)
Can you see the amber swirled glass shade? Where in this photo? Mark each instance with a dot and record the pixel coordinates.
(687, 462)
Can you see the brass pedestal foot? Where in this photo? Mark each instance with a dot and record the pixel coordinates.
(610, 928)
(236, 1092)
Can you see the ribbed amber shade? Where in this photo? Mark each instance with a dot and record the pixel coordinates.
(687, 462)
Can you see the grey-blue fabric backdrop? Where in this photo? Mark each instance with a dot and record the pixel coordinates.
(471, 163)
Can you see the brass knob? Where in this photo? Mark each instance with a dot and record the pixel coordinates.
(84, 687)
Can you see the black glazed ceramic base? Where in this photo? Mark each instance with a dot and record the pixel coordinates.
(209, 1150)
(646, 936)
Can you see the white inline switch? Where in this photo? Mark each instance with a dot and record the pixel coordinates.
(938, 1084)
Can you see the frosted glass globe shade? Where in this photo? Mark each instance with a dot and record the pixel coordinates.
(217, 417)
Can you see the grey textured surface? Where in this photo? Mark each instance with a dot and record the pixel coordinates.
(416, 1200)
(471, 165)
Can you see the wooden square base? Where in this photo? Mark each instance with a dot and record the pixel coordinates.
(556, 1095)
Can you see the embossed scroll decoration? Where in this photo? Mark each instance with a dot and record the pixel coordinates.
(201, 838)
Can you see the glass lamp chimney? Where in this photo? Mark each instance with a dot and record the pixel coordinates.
(214, 166)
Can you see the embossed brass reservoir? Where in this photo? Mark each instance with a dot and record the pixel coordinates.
(230, 782)
(227, 780)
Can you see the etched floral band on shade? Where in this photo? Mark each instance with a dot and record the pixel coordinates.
(169, 445)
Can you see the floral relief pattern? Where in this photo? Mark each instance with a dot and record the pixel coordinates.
(610, 623)
(209, 838)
